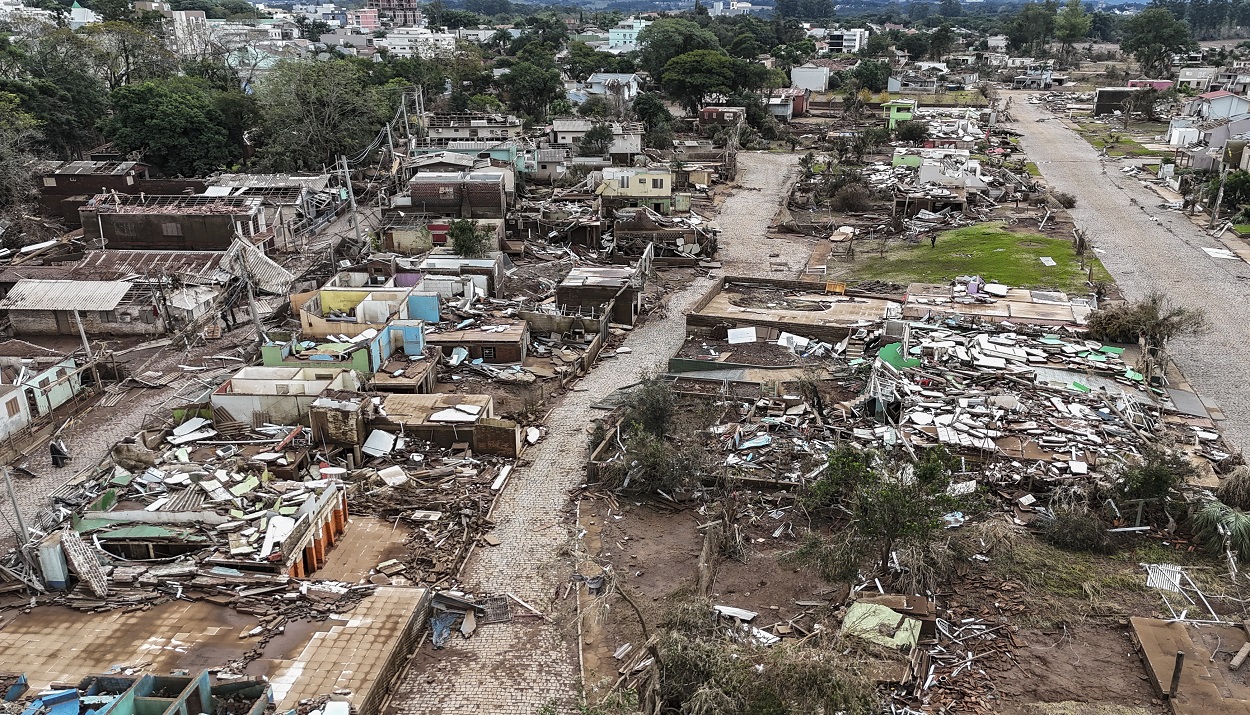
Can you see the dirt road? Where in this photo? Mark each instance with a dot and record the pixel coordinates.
(1147, 248)
(521, 667)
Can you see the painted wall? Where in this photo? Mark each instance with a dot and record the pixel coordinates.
(14, 412)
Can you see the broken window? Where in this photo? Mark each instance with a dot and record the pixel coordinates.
(108, 316)
(488, 353)
(281, 389)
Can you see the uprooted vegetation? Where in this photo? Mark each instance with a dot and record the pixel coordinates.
(705, 663)
(1154, 319)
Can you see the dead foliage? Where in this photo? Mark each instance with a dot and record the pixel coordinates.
(1078, 529)
(1154, 318)
(1235, 489)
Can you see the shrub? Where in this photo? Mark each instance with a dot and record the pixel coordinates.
(652, 463)
(1078, 529)
(1235, 489)
(912, 131)
(650, 407)
(1155, 474)
(853, 198)
(1154, 317)
(1064, 199)
(1214, 522)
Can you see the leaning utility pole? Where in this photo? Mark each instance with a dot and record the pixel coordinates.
(351, 197)
(1219, 198)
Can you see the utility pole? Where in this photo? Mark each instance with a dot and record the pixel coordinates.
(86, 346)
(21, 523)
(351, 197)
(1219, 198)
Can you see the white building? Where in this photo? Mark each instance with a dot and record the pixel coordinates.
(418, 42)
(732, 8)
(846, 42)
(79, 16)
(609, 83)
(809, 76)
(626, 33)
(996, 43)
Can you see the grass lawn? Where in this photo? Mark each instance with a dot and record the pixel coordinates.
(1032, 169)
(985, 249)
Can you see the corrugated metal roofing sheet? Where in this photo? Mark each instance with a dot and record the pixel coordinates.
(65, 295)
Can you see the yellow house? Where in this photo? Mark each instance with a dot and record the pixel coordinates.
(637, 186)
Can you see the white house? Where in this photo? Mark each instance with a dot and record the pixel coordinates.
(809, 76)
(610, 83)
(626, 33)
(996, 43)
(1217, 105)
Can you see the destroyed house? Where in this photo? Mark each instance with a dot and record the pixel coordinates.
(65, 186)
(626, 137)
(346, 313)
(498, 344)
(48, 378)
(174, 223)
(54, 307)
(446, 420)
(486, 274)
(591, 287)
(229, 518)
(278, 395)
(154, 695)
(476, 195)
(366, 353)
(443, 127)
(292, 202)
(636, 231)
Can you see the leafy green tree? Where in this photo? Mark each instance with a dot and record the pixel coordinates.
(872, 76)
(950, 8)
(1033, 26)
(667, 38)
(941, 41)
(1153, 36)
(1155, 474)
(454, 19)
(175, 123)
(912, 131)
(691, 77)
(468, 239)
(582, 60)
(484, 103)
(878, 44)
(805, 9)
(316, 111)
(531, 87)
(746, 47)
(596, 141)
(595, 106)
(113, 10)
(1072, 24)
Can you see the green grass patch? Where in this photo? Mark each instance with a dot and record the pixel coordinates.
(987, 250)
(1032, 169)
(1241, 229)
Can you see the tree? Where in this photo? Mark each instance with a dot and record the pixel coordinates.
(1032, 26)
(1153, 36)
(583, 60)
(891, 510)
(941, 41)
(1155, 474)
(804, 9)
(872, 76)
(595, 106)
(468, 239)
(18, 133)
(175, 123)
(667, 38)
(950, 8)
(1236, 190)
(878, 44)
(126, 54)
(531, 87)
(912, 131)
(596, 141)
(1072, 24)
(691, 77)
(316, 111)
(746, 47)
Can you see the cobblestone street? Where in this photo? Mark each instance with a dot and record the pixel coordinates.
(1146, 248)
(518, 668)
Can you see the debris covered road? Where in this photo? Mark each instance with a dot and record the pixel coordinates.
(522, 666)
(1146, 248)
